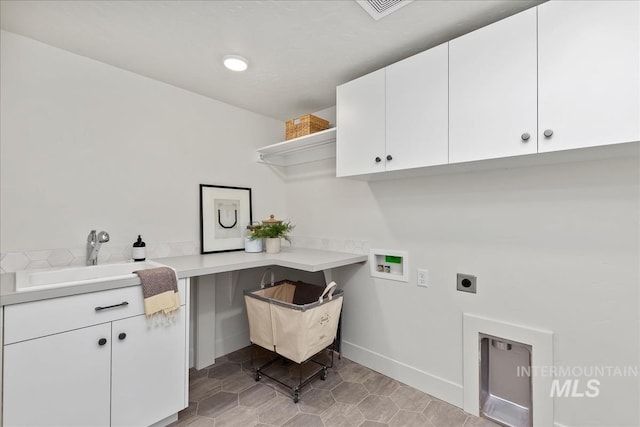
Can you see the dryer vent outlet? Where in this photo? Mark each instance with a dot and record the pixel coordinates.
(466, 283)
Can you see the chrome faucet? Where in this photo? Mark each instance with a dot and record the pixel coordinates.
(94, 241)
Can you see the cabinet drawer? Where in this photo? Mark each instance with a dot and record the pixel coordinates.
(39, 318)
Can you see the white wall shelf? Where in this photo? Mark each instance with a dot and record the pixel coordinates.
(309, 148)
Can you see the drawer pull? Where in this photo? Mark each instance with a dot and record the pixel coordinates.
(122, 336)
(102, 341)
(122, 304)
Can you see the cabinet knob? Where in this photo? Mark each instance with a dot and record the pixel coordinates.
(102, 341)
(548, 133)
(378, 159)
(525, 136)
(389, 157)
(122, 336)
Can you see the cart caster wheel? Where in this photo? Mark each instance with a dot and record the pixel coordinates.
(323, 374)
(296, 396)
(258, 377)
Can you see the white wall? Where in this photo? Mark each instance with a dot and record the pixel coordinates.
(85, 145)
(554, 247)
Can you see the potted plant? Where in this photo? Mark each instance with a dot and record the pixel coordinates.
(272, 230)
(252, 243)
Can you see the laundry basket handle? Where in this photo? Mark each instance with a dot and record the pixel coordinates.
(331, 287)
(265, 275)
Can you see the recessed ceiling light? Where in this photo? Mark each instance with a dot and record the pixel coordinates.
(235, 62)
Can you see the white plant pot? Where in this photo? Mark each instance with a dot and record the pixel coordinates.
(252, 245)
(273, 245)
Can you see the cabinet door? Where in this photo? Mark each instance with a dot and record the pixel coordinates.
(148, 370)
(589, 74)
(417, 110)
(492, 90)
(58, 380)
(360, 125)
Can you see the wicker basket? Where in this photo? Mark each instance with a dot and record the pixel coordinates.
(305, 125)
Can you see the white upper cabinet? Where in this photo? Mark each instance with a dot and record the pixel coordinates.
(560, 76)
(589, 74)
(394, 118)
(360, 134)
(416, 110)
(493, 90)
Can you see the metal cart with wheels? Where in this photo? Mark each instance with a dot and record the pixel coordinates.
(321, 372)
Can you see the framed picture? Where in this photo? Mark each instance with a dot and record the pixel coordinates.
(225, 213)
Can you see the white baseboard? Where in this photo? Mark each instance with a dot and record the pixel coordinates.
(445, 390)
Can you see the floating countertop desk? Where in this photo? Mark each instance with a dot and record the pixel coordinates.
(190, 266)
(232, 263)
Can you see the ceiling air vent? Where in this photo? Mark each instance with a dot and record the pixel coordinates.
(380, 8)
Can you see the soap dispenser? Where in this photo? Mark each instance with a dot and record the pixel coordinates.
(139, 249)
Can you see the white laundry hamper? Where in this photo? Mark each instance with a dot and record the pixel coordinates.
(293, 319)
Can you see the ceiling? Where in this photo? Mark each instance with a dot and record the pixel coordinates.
(299, 51)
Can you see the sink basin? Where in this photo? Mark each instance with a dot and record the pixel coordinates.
(73, 276)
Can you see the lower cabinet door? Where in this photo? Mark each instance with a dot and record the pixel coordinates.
(59, 380)
(148, 369)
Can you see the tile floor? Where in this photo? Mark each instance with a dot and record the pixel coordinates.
(226, 394)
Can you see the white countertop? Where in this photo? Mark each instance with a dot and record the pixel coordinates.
(300, 259)
(196, 265)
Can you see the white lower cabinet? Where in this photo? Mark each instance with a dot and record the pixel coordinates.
(67, 363)
(147, 370)
(59, 380)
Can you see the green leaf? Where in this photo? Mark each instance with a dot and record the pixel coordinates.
(273, 230)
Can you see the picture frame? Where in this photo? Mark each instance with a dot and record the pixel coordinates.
(225, 212)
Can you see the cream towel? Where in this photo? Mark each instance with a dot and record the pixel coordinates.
(160, 290)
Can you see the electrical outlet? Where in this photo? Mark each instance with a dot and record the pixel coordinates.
(423, 278)
(466, 283)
